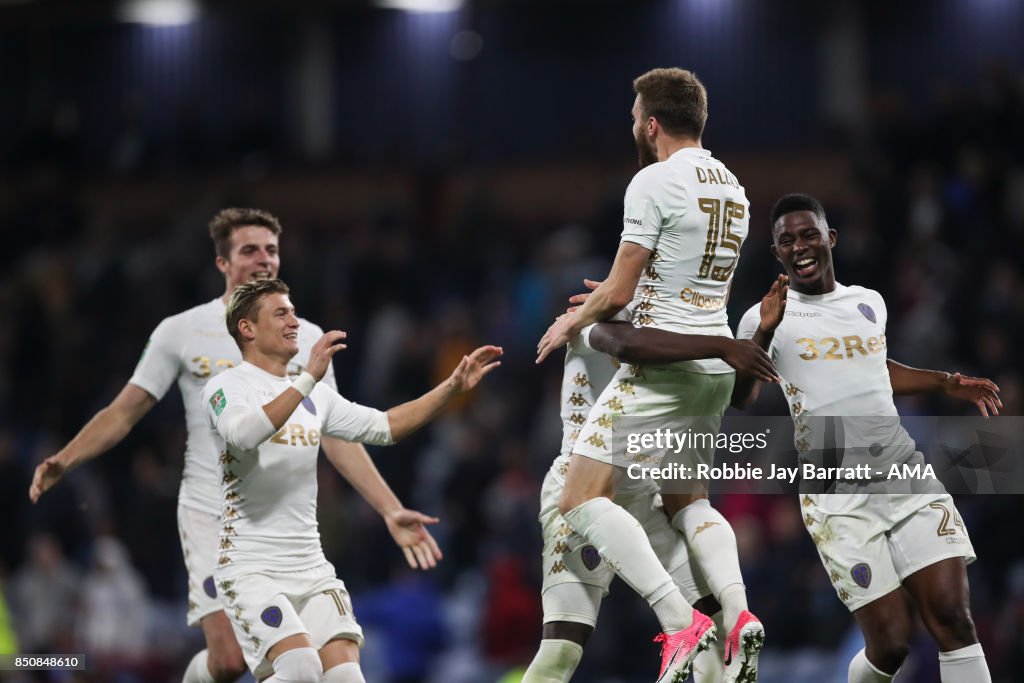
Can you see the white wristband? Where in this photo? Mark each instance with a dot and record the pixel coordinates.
(304, 383)
(584, 338)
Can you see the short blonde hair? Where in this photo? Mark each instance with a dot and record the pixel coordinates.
(244, 303)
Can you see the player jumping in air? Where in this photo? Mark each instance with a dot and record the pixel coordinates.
(685, 219)
(575, 576)
(882, 551)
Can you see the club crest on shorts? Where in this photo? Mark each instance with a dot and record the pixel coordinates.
(209, 588)
(867, 311)
(861, 574)
(591, 558)
(308, 404)
(271, 616)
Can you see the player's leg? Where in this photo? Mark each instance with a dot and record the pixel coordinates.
(941, 594)
(340, 658)
(931, 548)
(851, 534)
(887, 624)
(587, 507)
(294, 660)
(616, 534)
(570, 612)
(222, 660)
(674, 554)
(575, 580)
(326, 610)
(710, 537)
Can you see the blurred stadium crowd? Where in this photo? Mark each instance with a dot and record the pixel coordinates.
(419, 264)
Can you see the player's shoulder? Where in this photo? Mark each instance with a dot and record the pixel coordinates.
(858, 291)
(650, 177)
(213, 309)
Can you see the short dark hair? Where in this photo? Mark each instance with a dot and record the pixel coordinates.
(245, 303)
(228, 220)
(796, 202)
(676, 98)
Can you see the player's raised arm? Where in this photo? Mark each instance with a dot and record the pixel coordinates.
(610, 297)
(984, 393)
(105, 430)
(771, 312)
(407, 527)
(408, 417)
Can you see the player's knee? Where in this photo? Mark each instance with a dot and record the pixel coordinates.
(569, 501)
(226, 665)
(300, 665)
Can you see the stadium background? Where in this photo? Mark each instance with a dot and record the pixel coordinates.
(447, 179)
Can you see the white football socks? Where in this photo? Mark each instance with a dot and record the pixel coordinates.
(966, 665)
(624, 546)
(712, 544)
(198, 671)
(863, 671)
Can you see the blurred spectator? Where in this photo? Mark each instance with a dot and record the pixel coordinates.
(113, 617)
(408, 613)
(43, 597)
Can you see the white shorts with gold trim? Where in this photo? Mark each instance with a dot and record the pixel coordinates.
(870, 543)
(199, 533)
(267, 606)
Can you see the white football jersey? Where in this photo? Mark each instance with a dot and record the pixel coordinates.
(693, 215)
(268, 494)
(830, 351)
(192, 347)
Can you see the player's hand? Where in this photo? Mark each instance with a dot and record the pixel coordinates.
(408, 528)
(983, 393)
(578, 300)
(773, 305)
(747, 358)
(323, 351)
(475, 367)
(557, 336)
(47, 473)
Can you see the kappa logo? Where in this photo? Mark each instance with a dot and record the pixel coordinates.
(867, 312)
(704, 527)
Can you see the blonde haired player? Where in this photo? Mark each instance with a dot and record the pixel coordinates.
(291, 614)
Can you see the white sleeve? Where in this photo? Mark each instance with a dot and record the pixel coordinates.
(161, 359)
(241, 423)
(749, 322)
(641, 217)
(350, 421)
